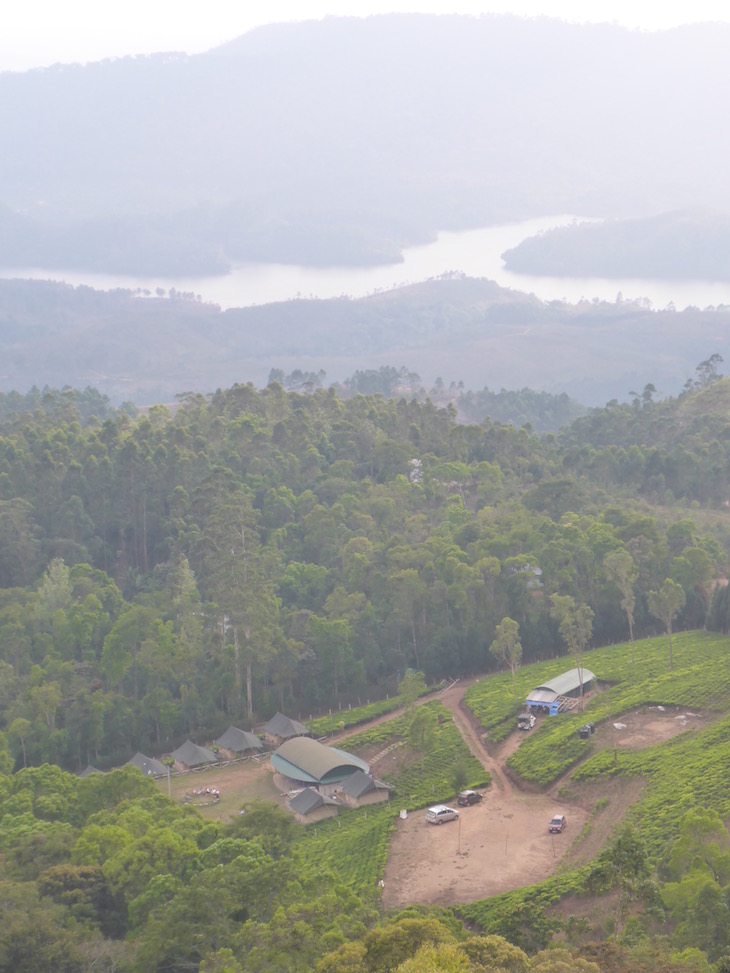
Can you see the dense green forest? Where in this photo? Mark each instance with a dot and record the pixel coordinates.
(166, 572)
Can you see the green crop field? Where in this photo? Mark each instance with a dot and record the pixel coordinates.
(425, 782)
(355, 843)
(700, 679)
(346, 719)
(692, 770)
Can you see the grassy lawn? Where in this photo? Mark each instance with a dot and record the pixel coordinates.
(238, 784)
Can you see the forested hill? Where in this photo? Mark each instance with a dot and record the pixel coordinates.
(676, 446)
(150, 348)
(676, 246)
(163, 575)
(696, 418)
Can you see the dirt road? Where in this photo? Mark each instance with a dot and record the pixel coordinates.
(503, 842)
(453, 699)
(499, 844)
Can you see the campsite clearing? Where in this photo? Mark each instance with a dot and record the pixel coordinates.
(497, 845)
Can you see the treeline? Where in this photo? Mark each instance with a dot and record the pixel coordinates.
(542, 411)
(671, 450)
(105, 873)
(163, 575)
(87, 404)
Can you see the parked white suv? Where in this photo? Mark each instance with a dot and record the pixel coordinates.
(440, 813)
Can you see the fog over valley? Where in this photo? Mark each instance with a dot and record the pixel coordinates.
(348, 156)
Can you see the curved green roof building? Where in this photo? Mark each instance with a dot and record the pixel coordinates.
(309, 762)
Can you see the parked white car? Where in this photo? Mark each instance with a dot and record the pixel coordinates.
(440, 813)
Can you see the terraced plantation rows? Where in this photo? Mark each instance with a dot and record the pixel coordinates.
(687, 771)
(690, 771)
(354, 845)
(700, 679)
(421, 782)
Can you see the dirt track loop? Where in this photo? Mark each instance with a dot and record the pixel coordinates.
(499, 844)
(503, 842)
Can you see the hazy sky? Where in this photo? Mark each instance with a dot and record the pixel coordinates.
(36, 33)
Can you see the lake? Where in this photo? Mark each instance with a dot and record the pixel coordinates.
(476, 253)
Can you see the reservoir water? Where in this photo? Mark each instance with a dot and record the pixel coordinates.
(476, 253)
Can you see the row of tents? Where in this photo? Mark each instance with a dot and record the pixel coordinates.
(192, 755)
(239, 742)
(321, 781)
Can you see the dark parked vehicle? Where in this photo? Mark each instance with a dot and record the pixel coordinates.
(588, 729)
(525, 721)
(557, 824)
(468, 797)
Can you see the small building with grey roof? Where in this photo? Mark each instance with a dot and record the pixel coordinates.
(310, 805)
(88, 770)
(191, 755)
(239, 741)
(148, 765)
(304, 761)
(281, 728)
(360, 788)
(560, 692)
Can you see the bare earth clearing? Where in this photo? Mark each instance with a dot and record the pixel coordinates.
(503, 843)
(500, 844)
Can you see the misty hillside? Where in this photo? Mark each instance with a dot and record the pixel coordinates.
(149, 349)
(681, 245)
(340, 141)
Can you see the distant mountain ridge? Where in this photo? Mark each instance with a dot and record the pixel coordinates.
(342, 141)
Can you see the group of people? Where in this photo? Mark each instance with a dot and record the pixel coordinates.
(208, 792)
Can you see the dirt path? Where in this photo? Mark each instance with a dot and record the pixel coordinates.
(499, 844)
(503, 843)
(453, 699)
